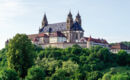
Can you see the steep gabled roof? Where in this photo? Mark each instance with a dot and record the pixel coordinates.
(57, 34)
(59, 27)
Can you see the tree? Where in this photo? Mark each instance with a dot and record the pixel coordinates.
(35, 73)
(94, 75)
(49, 65)
(70, 67)
(20, 54)
(120, 77)
(104, 54)
(76, 49)
(95, 49)
(106, 76)
(3, 58)
(122, 57)
(8, 74)
(60, 74)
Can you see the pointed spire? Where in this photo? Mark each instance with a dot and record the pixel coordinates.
(69, 21)
(44, 22)
(78, 18)
(70, 15)
(78, 15)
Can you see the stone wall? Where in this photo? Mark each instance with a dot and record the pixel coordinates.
(63, 45)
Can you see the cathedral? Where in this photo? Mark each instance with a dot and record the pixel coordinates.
(64, 34)
(69, 31)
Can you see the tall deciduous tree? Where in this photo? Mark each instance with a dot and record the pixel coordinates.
(20, 54)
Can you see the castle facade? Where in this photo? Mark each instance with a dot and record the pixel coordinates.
(64, 34)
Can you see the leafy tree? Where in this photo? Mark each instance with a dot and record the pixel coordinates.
(3, 58)
(60, 74)
(122, 57)
(106, 76)
(70, 67)
(35, 73)
(103, 54)
(8, 74)
(76, 49)
(120, 77)
(20, 54)
(49, 65)
(94, 75)
(95, 49)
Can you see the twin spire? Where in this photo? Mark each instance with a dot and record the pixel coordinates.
(69, 20)
(44, 21)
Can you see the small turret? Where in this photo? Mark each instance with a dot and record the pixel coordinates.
(78, 19)
(44, 21)
(69, 21)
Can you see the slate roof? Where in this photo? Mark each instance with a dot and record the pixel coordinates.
(57, 34)
(59, 27)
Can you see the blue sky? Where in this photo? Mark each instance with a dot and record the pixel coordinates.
(108, 19)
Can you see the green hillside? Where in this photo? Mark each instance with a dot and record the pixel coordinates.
(22, 60)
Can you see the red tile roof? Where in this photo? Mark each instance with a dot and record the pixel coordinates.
(95, 40)
(32, 36)
(42, 35)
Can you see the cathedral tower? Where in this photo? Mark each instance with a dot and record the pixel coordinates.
(78, 19)
(44, 21)
(69, 21)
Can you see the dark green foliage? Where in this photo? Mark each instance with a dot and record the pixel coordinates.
(3, 58)
(72, 63)
(35, 73)
(60, 74)
(126, 43)
(93, 75)
(8, 74)
(122, 57)
(20, 54)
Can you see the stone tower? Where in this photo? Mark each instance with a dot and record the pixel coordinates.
(44, 21)
(78, 19)
(69, 21)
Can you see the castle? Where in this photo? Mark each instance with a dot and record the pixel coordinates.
(64, 34)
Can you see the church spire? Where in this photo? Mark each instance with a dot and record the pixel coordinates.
(44, 22)
(69, 21)
(78, 19)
